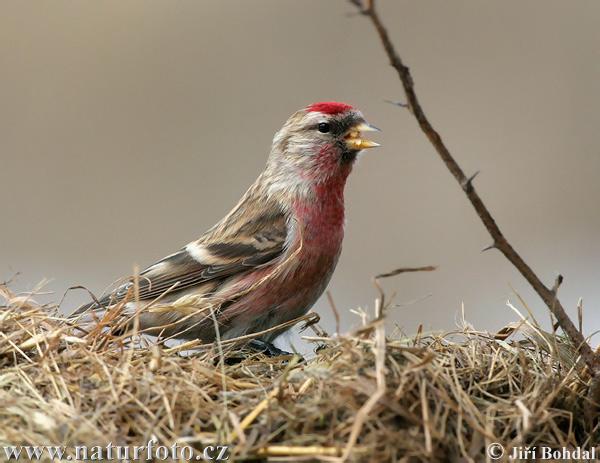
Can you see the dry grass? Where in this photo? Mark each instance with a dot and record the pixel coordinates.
(362, 397)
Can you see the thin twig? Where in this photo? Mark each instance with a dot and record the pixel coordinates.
(398, 271)
(499, 241)
(336, 313)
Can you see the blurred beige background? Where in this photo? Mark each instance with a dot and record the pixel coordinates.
(128, 128)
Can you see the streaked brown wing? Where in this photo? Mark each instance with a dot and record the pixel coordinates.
(182, 270)
(245, 239)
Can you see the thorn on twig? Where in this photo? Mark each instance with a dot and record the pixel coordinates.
(557, 283)
(467, 184)
(363, 9)
(397, 103)
(491, 246)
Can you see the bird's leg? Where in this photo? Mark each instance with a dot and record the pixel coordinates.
(267, 348)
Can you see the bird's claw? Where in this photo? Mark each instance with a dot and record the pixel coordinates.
(267, 348)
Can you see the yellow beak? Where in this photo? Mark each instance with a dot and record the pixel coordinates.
(354, 138)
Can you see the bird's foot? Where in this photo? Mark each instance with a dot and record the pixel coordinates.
(267, 348)
(260, 347)
(270, 350)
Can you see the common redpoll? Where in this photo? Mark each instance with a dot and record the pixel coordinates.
(271, 257)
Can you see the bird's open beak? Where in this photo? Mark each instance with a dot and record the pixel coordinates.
(354, 138)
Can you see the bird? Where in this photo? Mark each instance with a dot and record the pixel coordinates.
(271, 257)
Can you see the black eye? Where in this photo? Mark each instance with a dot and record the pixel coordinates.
(324, 127)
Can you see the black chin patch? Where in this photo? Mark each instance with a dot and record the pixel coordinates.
(349, 156)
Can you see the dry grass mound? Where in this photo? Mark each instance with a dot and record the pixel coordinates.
(361, 397)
